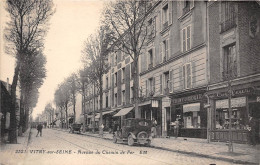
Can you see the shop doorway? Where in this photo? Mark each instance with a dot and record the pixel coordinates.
(254, 110)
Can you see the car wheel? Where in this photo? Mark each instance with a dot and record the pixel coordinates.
(114, 138)
(130, 140)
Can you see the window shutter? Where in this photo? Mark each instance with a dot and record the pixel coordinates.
(170, 12)
(161, 52)
(154, 26)
(183, 76)
(188, 37)
(188, 71)
(191, 4)
(154, 85)
(146, 84)
(183, 39)
(161, 21)
(170, 82)
(167, 49)
(161, 84)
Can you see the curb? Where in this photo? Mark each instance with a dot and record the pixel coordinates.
(182, 152)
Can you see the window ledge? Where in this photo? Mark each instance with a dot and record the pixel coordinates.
(165, 29)
(185, 15)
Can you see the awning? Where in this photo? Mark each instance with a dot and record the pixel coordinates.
(106, 112)
(191, 107)
(124, 111)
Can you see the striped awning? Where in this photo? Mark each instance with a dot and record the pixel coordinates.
(191, 107)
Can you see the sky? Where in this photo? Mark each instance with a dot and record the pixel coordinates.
(70, 26)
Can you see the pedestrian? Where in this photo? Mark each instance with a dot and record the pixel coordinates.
(39, 128)
(176, 128)
(252, 130)
(153, 129)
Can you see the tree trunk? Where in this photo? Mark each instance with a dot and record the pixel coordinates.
(66, 111)
(136, 88)
(13, 124)
(101, 105)
(74, 108)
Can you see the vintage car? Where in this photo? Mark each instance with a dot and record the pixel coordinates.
(134, 131)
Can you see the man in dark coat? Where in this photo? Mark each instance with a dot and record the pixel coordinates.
(39, 128)
(252, 130)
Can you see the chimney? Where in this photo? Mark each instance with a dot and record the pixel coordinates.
(7, 84)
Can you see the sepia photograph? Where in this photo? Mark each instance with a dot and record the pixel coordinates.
(129, 82)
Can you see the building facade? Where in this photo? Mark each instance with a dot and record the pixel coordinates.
(234, 55)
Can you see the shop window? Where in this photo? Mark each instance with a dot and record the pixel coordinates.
(238, 114)
(191, 115)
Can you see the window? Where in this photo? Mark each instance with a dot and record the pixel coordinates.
(187, 77)
(228, 16)
(229, 62)
(166, 80)
(116, 79)
(132, 95)
(115, 58)
(123, 97)
(151, 28)
(123, 75)
(106, 82)
(165, 50)
(150, 87)
(165, 17)
(187, 6)
(106, 101)
(186, 38)
(115, 99)
(150, 58)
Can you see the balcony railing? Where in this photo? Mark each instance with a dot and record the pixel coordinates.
(228, 23)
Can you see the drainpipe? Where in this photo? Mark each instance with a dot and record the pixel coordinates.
(208, 116)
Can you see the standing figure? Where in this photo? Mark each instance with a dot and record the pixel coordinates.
(39, 128)
(153, 130)
(176, 128)
(252, 130)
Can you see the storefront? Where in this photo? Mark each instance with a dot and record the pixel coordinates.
(189, 110)
(244, 102)
(151, 109)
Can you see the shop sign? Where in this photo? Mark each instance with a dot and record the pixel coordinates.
(187, 99)
(238, 92)
(235, 102)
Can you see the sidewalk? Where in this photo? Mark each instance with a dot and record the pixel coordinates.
(243, 153)
(8, 151)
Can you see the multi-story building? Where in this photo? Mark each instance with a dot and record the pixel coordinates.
(173, 73)
(184, 66)
(234, 39)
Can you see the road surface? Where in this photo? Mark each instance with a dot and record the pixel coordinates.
(59, 147)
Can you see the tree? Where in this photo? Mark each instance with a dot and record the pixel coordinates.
(127, 20)
(73, 85)
(62, 98)
(49, 111)
(31, 79)
(96, 51)
(25, 31)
